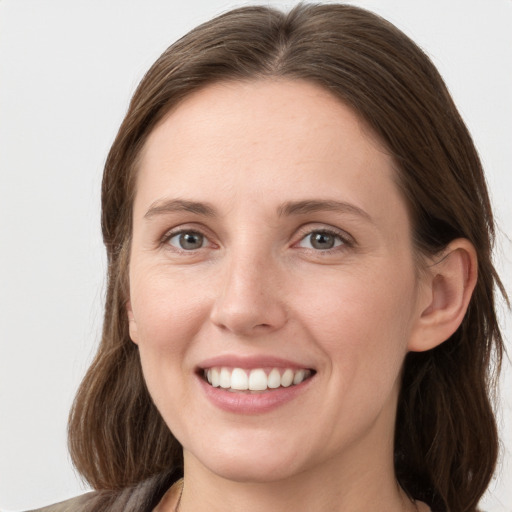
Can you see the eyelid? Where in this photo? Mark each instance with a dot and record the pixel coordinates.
(178, 230)
(306, 230)
(302, 232)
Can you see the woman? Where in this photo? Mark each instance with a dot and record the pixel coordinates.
(300, 308)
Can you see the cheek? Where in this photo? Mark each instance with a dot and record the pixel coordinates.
(164, 309)
(362, 301)
(167, 314)
(362, 321)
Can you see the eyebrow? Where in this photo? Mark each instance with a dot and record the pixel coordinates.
(320, 205)
(179, 205)
(287, 209)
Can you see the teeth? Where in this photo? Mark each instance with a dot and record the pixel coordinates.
(287, 378)
(274, 379)
(238, 379)
(299, 376)
(225, 378)
(215, 377)
(257, 380)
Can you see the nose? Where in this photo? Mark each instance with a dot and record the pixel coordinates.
(250, 299)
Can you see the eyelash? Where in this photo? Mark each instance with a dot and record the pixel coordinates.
(346, 240)
(171, 234)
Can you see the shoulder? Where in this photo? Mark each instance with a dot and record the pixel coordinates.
(141, 497)
(73, 505)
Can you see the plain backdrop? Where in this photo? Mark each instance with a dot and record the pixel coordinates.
(67, 71)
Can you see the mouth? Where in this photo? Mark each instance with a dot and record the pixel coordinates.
(255, 380)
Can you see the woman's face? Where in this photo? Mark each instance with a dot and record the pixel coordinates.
(271, 243)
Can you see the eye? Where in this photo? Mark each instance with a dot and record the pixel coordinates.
(321, 240)
(187, 240)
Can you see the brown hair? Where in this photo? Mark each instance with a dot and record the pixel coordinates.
(446, 440)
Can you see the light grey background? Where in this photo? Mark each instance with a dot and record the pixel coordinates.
(67, 71)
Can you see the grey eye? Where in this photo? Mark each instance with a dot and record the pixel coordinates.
(188, 240)
(320, 240)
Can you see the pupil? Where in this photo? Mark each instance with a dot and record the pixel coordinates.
(322, 241)
(191, 240)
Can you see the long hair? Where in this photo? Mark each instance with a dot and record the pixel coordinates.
(446, 439)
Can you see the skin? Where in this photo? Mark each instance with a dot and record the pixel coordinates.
(257, 286)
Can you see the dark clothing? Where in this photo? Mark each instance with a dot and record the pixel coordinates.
(143, 497)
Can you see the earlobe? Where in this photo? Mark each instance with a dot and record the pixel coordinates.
(132, 324)
(448, 284)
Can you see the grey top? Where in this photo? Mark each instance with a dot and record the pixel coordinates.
(72, 505)
(143, 497)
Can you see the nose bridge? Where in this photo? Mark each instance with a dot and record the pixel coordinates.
(249, 298)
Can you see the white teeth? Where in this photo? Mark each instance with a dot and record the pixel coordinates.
(299, 376)
(215, 377)
(287, 378)
(238, 379)
(274, 379)
(225, 378)
(257, 380)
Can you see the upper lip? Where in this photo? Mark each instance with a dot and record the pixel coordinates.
(250, 362)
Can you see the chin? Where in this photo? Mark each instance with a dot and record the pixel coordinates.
(251, 462)
(253, 471)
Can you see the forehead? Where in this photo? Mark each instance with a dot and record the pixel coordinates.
(260, 119)
(263, 107)
(272, 139)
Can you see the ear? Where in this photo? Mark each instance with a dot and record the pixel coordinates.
(132, 324)
(447, 285)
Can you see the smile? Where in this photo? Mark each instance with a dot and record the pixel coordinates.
(256, 379)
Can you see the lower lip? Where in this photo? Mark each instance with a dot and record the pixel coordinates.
(252, 403)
